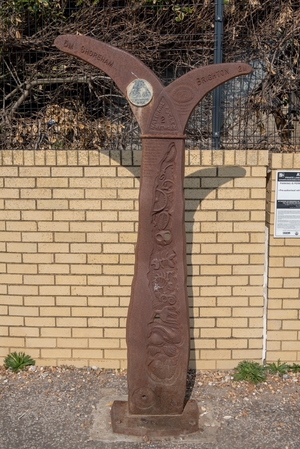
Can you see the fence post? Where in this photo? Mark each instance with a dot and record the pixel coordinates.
(216, 112)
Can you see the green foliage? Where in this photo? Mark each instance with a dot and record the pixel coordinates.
(83, 2)
(180, 10)
(18, 12)
(254, 372)
(250, 371)
(34, 6)
(18, 361)
(156, 2)
(295, 368)
(278, 368)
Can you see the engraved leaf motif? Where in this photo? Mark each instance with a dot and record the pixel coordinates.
(171, 154)
(161, 221)
(164, 259)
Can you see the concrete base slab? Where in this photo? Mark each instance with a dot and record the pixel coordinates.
(102, 428)
(154, 425)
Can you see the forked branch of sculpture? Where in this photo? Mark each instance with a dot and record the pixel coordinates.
(158, 318)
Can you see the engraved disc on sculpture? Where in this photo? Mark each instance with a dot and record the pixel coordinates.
(183, 94)
(143, 397)
(139, 92)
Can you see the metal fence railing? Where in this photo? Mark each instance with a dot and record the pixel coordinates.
(51, 100)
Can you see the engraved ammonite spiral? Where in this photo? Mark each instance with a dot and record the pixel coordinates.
(143, 397)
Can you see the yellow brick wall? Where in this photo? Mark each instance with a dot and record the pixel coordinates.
(283, 324)
(69, 228)
(225, 220)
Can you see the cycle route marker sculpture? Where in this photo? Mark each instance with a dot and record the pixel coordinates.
(158, 318)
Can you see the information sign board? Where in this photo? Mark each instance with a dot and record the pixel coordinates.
(287, 204)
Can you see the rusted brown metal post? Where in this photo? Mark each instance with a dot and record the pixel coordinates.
(158, 318)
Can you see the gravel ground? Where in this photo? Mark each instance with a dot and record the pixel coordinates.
(58, 407)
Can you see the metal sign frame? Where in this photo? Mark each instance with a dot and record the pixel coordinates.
(287, 204)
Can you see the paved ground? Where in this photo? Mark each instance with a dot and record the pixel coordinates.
(69, 408)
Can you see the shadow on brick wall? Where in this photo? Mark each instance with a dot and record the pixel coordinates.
(214, 177)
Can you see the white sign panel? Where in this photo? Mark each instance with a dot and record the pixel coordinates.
(287, 204)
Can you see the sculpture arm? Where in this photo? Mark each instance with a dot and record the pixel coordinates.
(188, 90)
(121, 66)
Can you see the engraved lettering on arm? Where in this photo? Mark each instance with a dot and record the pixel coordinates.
(68, 44)
(95, 55)
(212, 76)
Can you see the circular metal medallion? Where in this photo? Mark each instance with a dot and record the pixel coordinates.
(139, 92)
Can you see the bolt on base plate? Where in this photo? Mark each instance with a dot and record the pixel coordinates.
(154, 425)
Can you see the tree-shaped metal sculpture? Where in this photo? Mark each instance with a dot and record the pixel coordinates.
(158, 317)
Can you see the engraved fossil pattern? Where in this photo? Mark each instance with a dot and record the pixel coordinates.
(164, 329)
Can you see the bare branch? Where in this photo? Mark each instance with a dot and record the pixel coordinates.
(46, 81)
